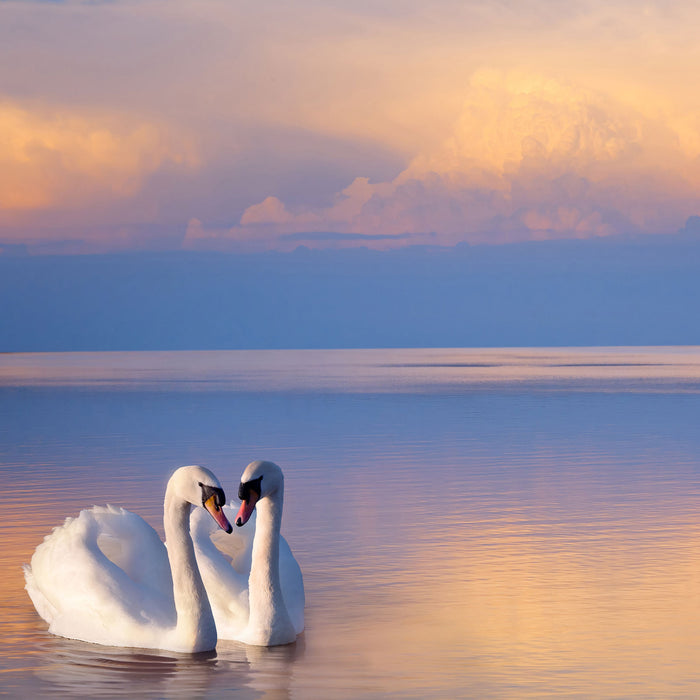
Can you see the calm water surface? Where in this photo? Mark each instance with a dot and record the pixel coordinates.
(470, 523)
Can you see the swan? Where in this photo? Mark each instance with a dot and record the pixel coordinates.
(106, 577)
(253, 581)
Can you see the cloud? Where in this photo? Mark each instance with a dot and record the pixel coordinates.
(528, 157)
(455, 120)
(62, 159)
(269, 211)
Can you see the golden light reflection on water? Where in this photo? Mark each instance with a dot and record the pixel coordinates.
(546, 607)
(574, 612)
(463, 549)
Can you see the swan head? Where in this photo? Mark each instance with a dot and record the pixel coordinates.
(200, 487)
(259, 480)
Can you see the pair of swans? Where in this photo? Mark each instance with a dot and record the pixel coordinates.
(106, 577)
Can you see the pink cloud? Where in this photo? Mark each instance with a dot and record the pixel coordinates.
(529, 157)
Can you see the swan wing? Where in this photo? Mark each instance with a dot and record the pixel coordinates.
(292, 583)
(222, 564)
(103, 577)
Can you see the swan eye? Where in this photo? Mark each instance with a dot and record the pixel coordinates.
(252, 485)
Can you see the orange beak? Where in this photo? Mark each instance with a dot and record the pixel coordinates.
(246, 509)
(218, 514)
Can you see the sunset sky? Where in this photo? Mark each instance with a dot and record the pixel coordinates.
(218, 125)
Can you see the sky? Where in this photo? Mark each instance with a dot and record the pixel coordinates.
(136, 125)
(603, 291)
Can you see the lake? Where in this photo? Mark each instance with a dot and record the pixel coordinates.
(506, 523)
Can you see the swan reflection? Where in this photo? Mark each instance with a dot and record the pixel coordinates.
(71, 668)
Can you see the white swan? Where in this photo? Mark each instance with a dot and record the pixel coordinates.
(106, 577)
(252, 578)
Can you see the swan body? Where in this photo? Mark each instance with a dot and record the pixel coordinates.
(106, 577)
(252, 579)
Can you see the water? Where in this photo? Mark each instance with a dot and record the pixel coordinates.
(470, 523)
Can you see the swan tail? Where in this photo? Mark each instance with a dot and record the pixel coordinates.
(46, 611)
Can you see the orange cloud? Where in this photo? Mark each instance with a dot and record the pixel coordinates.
(529, 157)
(508, 120)
(66, 159)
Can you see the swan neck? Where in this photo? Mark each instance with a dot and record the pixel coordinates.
(268, 613)
(266, 544)
(195, 621)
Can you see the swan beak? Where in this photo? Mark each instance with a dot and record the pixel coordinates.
(246, 509)
(217, 513)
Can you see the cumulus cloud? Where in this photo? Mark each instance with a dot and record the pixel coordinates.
(270, 211)
(343, 120)
(64, 159)
(529, 157)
